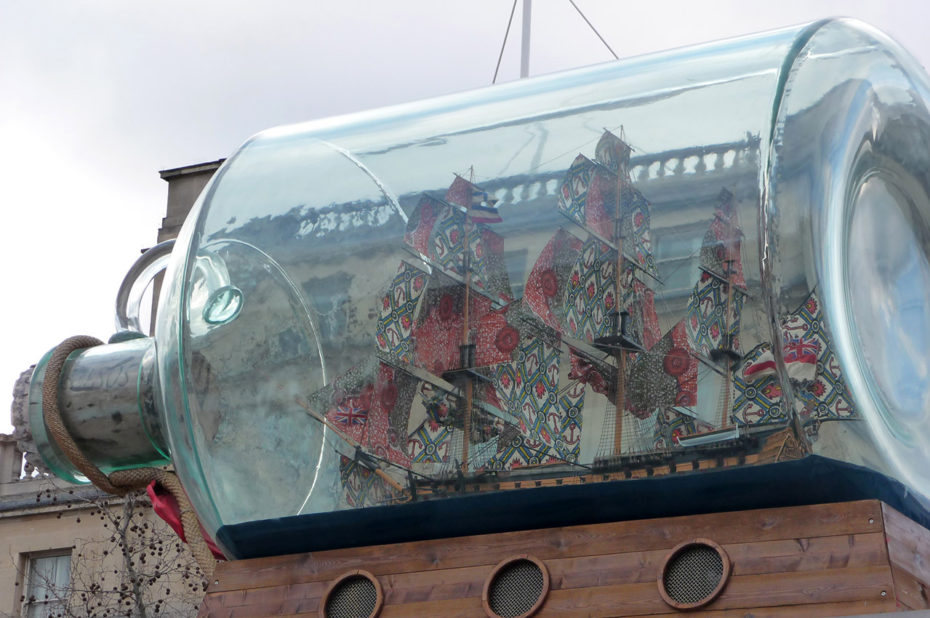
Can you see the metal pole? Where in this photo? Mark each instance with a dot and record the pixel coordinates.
(525, 47)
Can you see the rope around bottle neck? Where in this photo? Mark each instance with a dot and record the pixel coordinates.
(119, 482)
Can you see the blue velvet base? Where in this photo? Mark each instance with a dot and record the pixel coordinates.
(811, 480)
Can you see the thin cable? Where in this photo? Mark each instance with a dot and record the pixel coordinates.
(513, 10)
(590, 25)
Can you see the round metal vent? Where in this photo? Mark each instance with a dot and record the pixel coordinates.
(694, 574)
(516, 588)
(354, 595)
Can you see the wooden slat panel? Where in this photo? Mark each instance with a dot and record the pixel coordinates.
(597, 571)
(598, 539)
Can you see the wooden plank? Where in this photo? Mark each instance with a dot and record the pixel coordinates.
(435, 585)
(804, 587)
(910, 591)
(807, 554)
(266, 601)
(748, 559)
(455, 608)
(621, 600)
(850, 608)
(747, 592)
(555, 543)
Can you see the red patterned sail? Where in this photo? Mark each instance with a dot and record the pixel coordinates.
(438, 332)
(547, 282)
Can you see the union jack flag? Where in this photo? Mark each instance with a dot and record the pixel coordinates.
(798, 350)
(349, 413)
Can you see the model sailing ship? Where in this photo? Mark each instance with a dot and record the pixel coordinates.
(472, 389)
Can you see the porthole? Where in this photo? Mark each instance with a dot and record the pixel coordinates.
(516, 588)
(694, 574)
(356, 594)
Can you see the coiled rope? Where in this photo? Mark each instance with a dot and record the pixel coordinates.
(119, 482)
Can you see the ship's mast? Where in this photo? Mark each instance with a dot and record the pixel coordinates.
(466, 356)
(725, 409)
(729, 354)
(621, 354)
(466, 349)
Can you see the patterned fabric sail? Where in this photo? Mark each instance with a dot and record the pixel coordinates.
(421, 222)
(663, 377)
(713, 322)
(571, 289)
(639, 303)
(500, 333)
(590, 296)
(807, 346)
(485, 257)
(478, 204)
(438, 231)
(635, 225)
(370, 406)
(397, 310)
(431, 432)
(720, 251)
(569, 423)
(529, 389)
(613, 153)
(547, 283)
(757, 396)
(588, 196)
(438, 331)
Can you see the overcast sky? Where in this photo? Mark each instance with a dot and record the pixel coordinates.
(97, 96)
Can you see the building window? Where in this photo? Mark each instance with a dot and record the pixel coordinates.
(48, 579)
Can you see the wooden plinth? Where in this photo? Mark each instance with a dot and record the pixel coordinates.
(822, 560)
